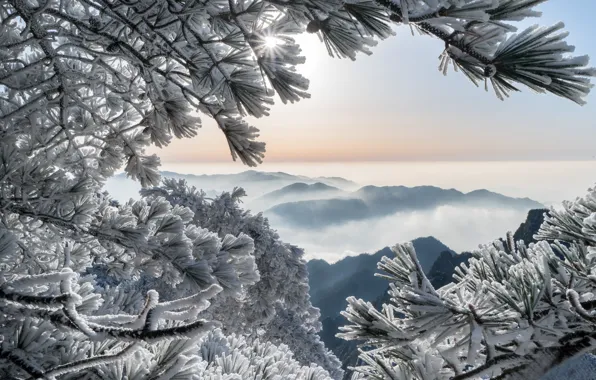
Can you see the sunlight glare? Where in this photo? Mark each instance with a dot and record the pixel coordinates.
(271, 42)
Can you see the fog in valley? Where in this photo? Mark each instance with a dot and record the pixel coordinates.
(332, 217)
(460, 228)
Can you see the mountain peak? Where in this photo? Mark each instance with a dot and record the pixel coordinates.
(297, 192)
(427, 239)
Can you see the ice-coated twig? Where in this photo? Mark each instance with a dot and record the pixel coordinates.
(89, 362)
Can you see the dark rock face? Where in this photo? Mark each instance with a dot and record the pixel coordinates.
(443, 269)
(530, 227)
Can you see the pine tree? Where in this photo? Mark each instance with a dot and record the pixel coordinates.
(513, 312)
(278, 306)
(87, 85)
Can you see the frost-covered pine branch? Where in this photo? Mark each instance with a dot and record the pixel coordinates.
(83, 293)
(71, 298)
(278, 306)
(119, 253)
(511, 313)
(483, 42)
(87, 85)
(29, 342)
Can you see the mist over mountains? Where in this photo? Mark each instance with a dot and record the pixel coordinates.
(298, 191)
(373, 202)
(255, 183)
(333, 217)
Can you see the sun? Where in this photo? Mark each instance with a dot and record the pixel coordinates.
(271, 42)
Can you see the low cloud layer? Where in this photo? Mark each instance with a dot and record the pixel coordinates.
(460, 228)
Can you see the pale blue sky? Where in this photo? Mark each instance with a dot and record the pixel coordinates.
(396, 105)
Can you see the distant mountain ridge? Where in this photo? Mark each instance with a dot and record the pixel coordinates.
(373, 201)
(298, 188)
(248, 178)
(256, 183)
(298, 191)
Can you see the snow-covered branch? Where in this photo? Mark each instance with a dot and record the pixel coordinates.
(511, 313)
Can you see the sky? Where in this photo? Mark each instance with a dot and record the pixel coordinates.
(396, 106)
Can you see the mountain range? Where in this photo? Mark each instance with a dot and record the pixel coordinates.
(332, 217)
(374, 202)
(255, 183)
(298, 191)
(284, 194)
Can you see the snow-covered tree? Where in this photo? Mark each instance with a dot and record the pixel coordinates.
(69, 295)
(513, 312)
(277, 308)
(219, 357)
(281, 266)
(234, 355)
(87, 85)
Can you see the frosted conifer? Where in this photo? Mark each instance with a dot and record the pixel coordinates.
(513, 312)
(87, 85)
(277, 308)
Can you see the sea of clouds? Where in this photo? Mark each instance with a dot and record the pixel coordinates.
(461, 228)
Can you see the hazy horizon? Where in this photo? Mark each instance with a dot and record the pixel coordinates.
(549, 182)
(460, 228)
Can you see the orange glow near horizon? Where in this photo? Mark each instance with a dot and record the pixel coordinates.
(303, 141)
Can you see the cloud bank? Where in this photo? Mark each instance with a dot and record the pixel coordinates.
(462, 228)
